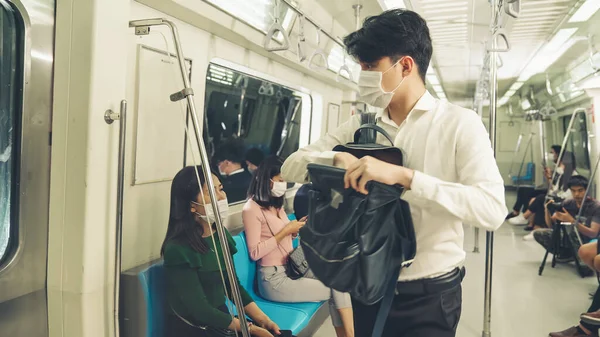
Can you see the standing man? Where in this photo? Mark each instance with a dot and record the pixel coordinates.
(450, 173)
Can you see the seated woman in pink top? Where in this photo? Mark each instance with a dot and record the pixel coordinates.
(269, 234)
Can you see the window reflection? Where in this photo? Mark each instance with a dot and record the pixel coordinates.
(245, 114)
(9, 108)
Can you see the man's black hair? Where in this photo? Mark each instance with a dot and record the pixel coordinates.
(394, 33)
(578, 181)
(232, 150)
(255, 156)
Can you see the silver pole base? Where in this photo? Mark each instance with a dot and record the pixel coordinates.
(486, 334)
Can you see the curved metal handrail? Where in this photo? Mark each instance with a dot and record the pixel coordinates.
(318, 52)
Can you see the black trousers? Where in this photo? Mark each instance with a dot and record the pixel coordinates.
(524, 194)
(426, 314)
(537, 207)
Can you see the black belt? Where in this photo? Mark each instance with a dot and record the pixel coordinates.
(432, 286)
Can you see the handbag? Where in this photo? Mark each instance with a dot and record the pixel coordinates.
(296, 265)
(358, 243)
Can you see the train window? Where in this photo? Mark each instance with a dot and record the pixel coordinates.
(258, 13)
(243, 113)
(336, 59)
(578, 141)
(10, 96)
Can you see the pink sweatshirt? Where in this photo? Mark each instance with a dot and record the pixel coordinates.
(262, 245)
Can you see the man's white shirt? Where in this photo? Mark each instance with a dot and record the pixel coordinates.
(456, 177)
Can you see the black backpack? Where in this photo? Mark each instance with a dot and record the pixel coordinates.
(358, 243)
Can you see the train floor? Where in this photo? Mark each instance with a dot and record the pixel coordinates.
(523, 303)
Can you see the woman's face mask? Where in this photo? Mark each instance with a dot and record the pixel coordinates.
(210, 215)
(279, 188)
(371, 91)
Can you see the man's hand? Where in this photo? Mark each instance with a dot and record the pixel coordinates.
(563, 216)
(368, 168)
(344, 160)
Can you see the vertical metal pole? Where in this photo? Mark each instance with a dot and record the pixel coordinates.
(110, 117)
(237, 299)
(476, 230)
(489, 249)
(357, 9)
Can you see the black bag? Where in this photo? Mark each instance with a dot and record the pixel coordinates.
(358, 243)
(296, 266)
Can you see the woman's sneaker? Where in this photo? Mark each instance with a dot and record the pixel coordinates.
(518, 220)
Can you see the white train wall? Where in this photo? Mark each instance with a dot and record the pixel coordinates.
(97, 66)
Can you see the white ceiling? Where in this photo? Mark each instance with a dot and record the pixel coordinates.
(459, 28)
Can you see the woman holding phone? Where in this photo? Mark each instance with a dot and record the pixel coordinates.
(269, 234)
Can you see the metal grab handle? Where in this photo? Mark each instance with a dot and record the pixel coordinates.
(318, 52)
(314, 66)
(347, 70)
(502, 33)
(301, 39)
(592, 51)
(513, 8)
(549, 86)
(276, 27)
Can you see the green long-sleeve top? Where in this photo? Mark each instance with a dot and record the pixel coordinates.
(194, 286)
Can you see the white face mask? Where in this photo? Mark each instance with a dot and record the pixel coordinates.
(210, 216)
(279, 189)
(371, 91)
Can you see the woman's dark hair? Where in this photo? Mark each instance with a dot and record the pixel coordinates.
(183, 227)
(394, 33)
(556, 148)
(578, 181)
(260, 187)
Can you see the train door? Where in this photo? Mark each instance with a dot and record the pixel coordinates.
(26, 62)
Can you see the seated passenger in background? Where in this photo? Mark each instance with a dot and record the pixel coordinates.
(229, 157)
(195, 291)
(269, 234)
(588, 227)
(525, 194)
(254, 157)
(588, 326)
(564, 171)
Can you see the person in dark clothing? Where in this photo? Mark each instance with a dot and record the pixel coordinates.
(254, 157)
(236, 179)
(525, 193)
(193, 261)
(587, 227)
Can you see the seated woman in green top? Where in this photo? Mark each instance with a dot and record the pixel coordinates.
(195, 293)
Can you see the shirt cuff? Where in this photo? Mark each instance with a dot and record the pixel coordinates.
(326, 158)
(422, 187)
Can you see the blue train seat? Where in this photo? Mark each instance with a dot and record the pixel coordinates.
(289, 316)
(153, 285)
(527, 177)
(144, 303)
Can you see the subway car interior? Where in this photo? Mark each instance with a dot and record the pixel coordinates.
(104, 103)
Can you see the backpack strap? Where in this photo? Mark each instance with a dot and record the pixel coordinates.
(386, 305)
(375, 127)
